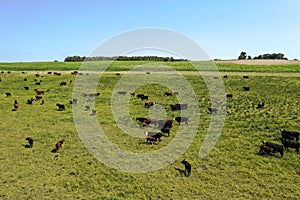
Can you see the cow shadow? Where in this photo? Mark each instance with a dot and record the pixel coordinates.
(54, 150)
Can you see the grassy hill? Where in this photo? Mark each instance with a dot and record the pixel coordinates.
(232, 170)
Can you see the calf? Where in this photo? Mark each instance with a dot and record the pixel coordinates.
(261, 104)
(63, 83)
(148, 104)
(182, 119)
(58, 145)
(39, 92)
(291, 133)
(288, 143)
(60, 106)
(187, 167)
(168, 93)
(30, 141)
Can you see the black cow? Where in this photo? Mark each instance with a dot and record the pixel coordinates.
(269, 147)
(165, 130)
(246, 76)
(288, 143)
(87, 108)
(93, 112)
(60, 106)
(26, 88)
(187, 167)
(8, 94)
(63, 83)
(179, 107)
(164, 124)
(229, 96)
(291, 133)
(141, 119)
(139, 95)
(246, 88)
(212, 110)
(30, 141)
(182, 119)
(73, 101)
(261, 104)
(144, 98)
(30, 101)
(168, 93)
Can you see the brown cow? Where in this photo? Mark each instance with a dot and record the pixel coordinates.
(58, 145)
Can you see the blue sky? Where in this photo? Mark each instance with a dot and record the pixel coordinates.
(47, 30)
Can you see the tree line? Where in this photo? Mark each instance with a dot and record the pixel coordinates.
(122, 58)
(243, 55)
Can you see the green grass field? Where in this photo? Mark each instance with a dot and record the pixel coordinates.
(232, 170)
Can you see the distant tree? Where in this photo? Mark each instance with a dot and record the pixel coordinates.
(249, 57)
(243, 55)
(271, 56)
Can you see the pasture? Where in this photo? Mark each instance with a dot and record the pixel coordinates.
(232, 170)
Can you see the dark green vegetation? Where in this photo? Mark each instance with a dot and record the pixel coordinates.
(233, 170)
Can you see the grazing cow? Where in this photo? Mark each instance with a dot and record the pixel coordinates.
(291, 133)
(38, 97)
(246, 88)
(42, 103)
(261, 104)
(144, 98)
(164, 124)
(38, 83)
(245, 76)
(178, 107)
(94, 94)
(187, 168)
(182, 119)
(39, 92)
(288, 143)
(30, 101)
(63, 83)
(60, 106)
(165, 130)
(87, 108)
(73, 101)
(122, 92)
(269, 147)
(212, 110)
(148, 104)
(26, 88)
(139, 96)
(8, 94)
(16, 105)
(93, 112)
(49, 72)
(58, 145)
(168, 93)
(141, 119)
(229, 96)
(287, 136)
(37, 75)
(25, 79)
(225, 76)
(118, 74)
(30, 141)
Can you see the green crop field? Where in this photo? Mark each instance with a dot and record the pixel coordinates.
(232, 170)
